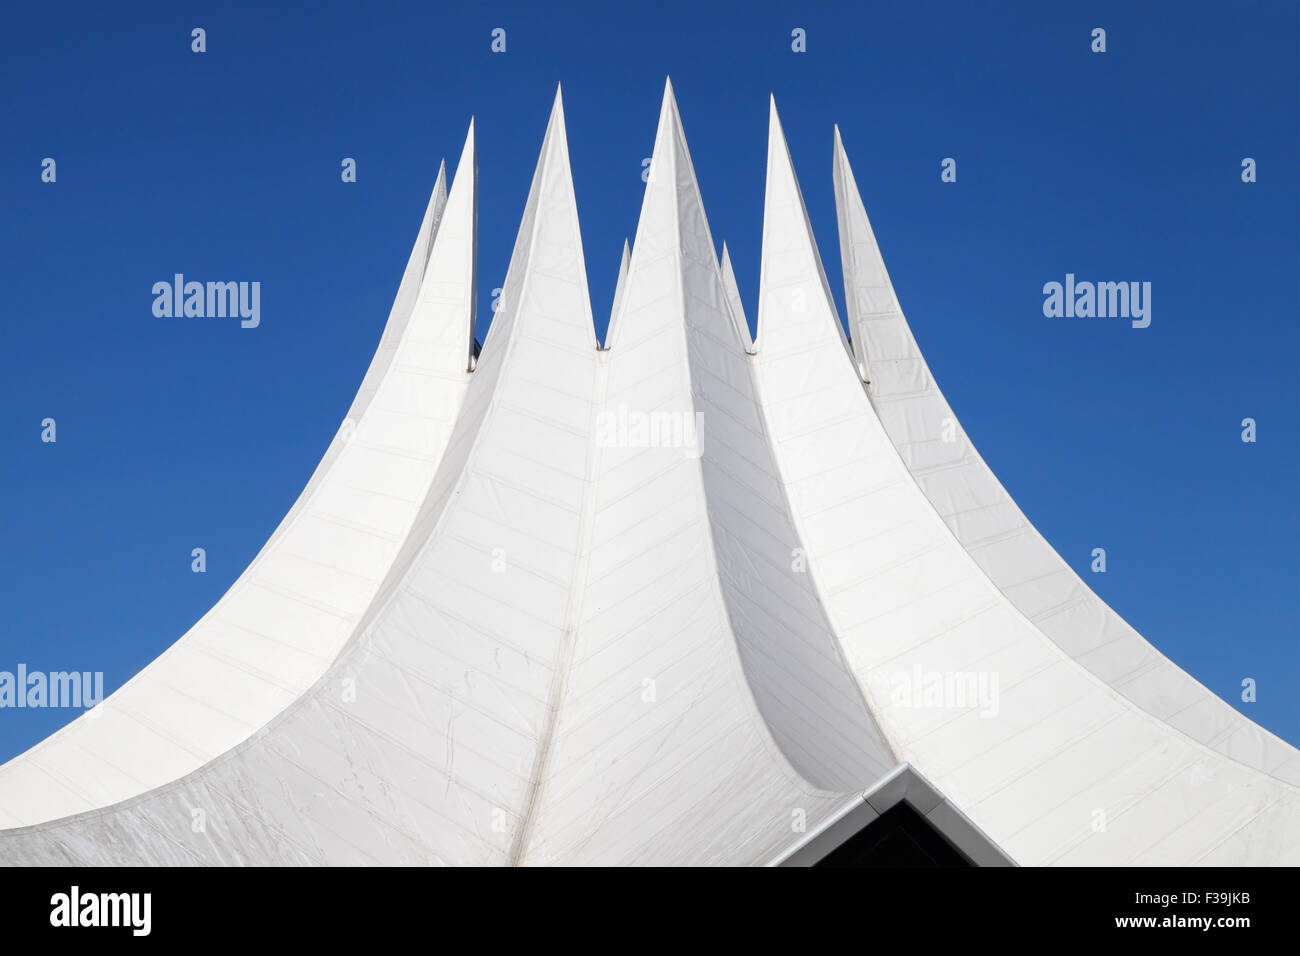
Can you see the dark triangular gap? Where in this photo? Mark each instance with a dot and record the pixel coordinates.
(898, 837)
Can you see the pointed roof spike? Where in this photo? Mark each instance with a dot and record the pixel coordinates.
(440, 181)
(618, 288)
(684, 195)
(676, 348)
(437, 203)
(467, 164)
(669, 198)
(456, 255)
(794, 300)
(733, 300)
(468, 148)
(854, 231)
(548, 246)
(842, 171)
(657, 226)
(910, 405)
(463, 202)
(673, 222)
(177, 738)
(449, 258)
(669, 112)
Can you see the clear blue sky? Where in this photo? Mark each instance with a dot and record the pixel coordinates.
(175, 434)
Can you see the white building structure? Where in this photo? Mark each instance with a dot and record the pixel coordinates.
(684, 598)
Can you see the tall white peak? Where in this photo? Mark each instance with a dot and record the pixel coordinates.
(706, 696)
(733, 300)
(481, 596)
(618, 286)
(791, 268)
(966, 687)
(285, 619)
(448, 297)
(423, 740)
(992, 528)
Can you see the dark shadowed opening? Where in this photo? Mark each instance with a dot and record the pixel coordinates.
(899, 837)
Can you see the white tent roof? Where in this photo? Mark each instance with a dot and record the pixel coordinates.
(1066, 750)
(534, 630)
(987, 522)
(283, 622)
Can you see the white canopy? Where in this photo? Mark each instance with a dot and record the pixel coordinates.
(663, 602)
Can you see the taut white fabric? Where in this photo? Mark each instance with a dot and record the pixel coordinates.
(282, 623)
(988, 523)
(622, 279)
(1055, 765)
(588, 649)
(749, 717)
(733, 299)
(675, 601)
